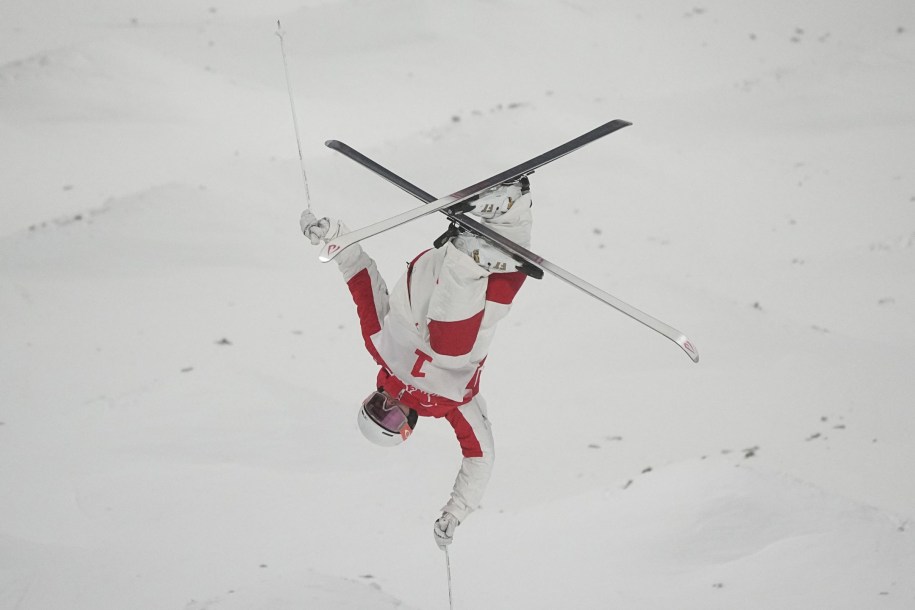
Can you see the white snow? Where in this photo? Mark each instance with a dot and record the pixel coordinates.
(179, 375)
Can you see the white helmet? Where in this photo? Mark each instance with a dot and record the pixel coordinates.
(384, 420)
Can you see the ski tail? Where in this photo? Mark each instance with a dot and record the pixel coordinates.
(380, 170)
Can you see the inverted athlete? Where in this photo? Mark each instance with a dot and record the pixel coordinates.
(431, 335)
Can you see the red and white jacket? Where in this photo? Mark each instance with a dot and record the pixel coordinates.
(431, 335)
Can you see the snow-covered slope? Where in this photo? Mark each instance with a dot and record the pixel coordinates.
(179, 376)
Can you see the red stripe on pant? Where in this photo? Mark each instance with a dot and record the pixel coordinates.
(454, 338)
(503, 287)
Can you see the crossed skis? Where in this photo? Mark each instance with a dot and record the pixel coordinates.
(454, 205)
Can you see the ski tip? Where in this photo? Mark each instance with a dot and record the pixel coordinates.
(329, 251)
(615, 124)
(330, 143)
(689, 348)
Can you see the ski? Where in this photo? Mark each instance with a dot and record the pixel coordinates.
(523, 253)
(461, 219)
(453, 201)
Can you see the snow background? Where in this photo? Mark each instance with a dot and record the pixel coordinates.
(179, 376)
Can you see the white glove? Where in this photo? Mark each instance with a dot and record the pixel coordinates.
(497, 200)
(318, 231)
(444, 529)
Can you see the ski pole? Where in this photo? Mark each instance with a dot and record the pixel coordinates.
(448, 568)
(295, 120)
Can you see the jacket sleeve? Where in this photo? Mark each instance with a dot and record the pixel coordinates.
(369, 292)
(474, 433)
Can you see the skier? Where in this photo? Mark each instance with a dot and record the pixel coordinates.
(431, 335)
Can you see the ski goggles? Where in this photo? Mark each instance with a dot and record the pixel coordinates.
(389, 413)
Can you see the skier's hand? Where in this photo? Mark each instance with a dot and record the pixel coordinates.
(444, 529)
(316, 230)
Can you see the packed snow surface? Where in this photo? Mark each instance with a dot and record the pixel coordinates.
(179, 375)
